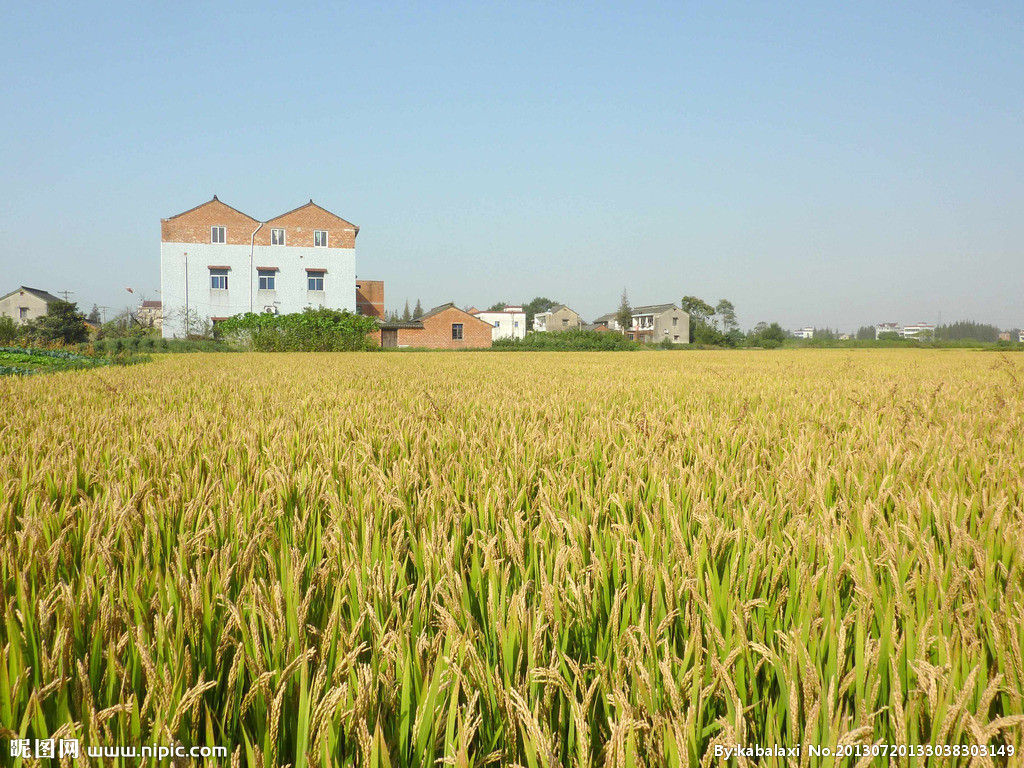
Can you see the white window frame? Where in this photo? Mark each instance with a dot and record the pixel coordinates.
(273, 235)
(270, 275)
(316, 234)
(222, 230)
(218, 273)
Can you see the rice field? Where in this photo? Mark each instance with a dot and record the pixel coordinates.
(533, 559)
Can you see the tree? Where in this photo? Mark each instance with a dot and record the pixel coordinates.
(418, 311)
(8, 330)
(537, 305)
(727, 312)
(624, 316)
(406, 314)
(866, 333)
(94, 315)
(697, 309)
(967, 329)
(62, 323)
(825, 334)
(497, 307)
(701, 329)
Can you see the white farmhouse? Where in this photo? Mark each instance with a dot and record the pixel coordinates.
(216, 261)
(807, 332)
(508, 323)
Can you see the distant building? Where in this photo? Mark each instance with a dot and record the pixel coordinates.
(24, 304)
(887, 328)
(443, 327)
(1004, 336)
(370, 297)
(807, 332)
(558, 318)
(151, 314)
(1020, 336)
(508, 323)
(651, 324)
(216, 261)
(917, 331)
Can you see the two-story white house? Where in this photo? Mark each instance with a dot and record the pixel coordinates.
(508, 323)
(216, 261)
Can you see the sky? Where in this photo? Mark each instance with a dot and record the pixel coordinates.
(825, 164)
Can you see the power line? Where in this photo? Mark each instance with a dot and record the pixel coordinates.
(65, 294)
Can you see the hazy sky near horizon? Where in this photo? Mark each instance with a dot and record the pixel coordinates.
(828, 164)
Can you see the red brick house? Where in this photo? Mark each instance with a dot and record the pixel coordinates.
(443, 327)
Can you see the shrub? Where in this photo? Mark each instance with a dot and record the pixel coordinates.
(313, 330)
(568, 341)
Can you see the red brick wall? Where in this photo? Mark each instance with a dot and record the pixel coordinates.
(437, 332)
(370, 297)
(194, 226)
(300, 224)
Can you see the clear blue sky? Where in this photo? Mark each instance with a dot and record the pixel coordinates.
(833, 164)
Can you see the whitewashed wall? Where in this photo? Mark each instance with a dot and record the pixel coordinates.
(505, 324)
(243, 294)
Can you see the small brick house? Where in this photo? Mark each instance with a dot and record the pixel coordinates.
(443, 327)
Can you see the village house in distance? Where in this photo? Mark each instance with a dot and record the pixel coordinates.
(24, 304)
(216, 261)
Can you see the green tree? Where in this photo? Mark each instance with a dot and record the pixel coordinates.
(406, 314)
(537, 305)
(497, 307)
(624, 315)
(62, 323)
(866, 333)
(94, 315)
(8, 330)
(697, 309)
(418, 312)
(727, 312)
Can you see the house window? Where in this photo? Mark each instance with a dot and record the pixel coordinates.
(320, 238)
(217, 234)
(218, 279)
(675, 321)
(456, 331)
(497, 323)
(565, 322)
(22, 313)
(515, 323)
(277, 237)
(267, 279)
(315, 281)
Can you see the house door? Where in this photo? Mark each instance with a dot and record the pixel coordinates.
(389, 338)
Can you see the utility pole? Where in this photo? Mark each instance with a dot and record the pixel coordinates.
(103, 308)
(65, 294)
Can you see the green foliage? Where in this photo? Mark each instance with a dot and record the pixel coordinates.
(29, 360)
(624, 316)
(8, 330)
(768, 336)
(497, 307)
(967, 329)
(313, 330)
(62, 324)
(697, 309)
(570, 340)
(889, 336)
(866, 333)
(727, 312)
